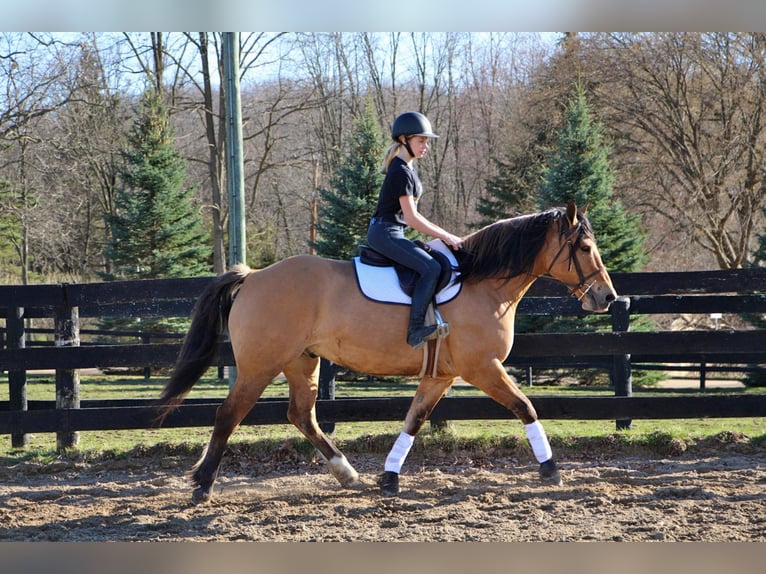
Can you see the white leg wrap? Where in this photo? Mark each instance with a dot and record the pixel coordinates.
(539, 441)
(399, 452)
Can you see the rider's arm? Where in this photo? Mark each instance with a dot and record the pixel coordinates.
(418, 222)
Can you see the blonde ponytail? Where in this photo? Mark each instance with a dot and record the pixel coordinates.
(390, 155)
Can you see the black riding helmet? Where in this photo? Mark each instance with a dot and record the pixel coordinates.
(411, 124)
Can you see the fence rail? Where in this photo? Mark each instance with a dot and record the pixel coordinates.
(618, 351)
(139, 414)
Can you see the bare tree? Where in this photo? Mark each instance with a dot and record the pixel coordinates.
(32, 67)
(687, 110)
(497, 114)
(326, 66)
(200, 65)
(192, 64)
(380, 57)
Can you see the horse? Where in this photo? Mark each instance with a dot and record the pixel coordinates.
(284, 317)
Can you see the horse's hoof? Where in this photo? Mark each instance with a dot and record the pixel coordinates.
(344, 473)
(351, 482)
(549, 473)
(389, 483)
(201, 496)
(355, 485)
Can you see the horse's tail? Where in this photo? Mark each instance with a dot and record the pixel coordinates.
(209, 319)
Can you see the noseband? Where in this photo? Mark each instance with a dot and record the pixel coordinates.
(572, 239)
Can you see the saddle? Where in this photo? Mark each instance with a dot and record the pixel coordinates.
(382, 279)
(408, 277)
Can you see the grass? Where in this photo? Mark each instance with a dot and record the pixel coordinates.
(659, 436)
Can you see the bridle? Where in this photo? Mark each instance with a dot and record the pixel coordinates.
(572, 239)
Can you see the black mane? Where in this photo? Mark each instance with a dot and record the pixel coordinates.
(509, 247)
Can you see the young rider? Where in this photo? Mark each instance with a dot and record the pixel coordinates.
(398, 209)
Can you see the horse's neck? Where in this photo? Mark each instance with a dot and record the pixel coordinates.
(510, 292)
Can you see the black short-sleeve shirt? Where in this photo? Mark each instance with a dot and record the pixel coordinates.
(400, 180)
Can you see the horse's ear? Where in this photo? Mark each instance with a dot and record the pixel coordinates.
(584, 209)
(572, 213)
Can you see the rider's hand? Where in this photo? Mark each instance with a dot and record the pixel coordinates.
(453, 241)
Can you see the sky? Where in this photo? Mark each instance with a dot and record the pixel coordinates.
(354, 15)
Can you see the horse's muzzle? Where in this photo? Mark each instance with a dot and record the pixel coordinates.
(598, 298)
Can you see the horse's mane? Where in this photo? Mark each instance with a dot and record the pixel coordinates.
(509, 247)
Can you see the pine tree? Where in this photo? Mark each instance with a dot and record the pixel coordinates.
(579, 169)
(155, 230)
(10, 230)
(350, 201)
(512, 191)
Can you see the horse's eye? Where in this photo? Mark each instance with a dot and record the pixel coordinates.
(585, 248)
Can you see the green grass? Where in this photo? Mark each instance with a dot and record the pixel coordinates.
(662, 436)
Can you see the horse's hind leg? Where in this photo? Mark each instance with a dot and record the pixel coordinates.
(241, 398)
(303, 379)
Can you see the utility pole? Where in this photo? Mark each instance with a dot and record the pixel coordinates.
(235, 179)
(314, 207)
(234, 163)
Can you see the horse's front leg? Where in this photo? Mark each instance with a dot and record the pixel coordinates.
(494, 380)
(428, 394)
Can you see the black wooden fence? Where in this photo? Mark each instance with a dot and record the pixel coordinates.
(619, 352)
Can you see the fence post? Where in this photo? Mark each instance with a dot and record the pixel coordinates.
(67, 334)
(621, 375)
(145, 340)
(327, 370)
(17, 380)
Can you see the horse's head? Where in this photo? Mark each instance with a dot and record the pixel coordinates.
(571, 256)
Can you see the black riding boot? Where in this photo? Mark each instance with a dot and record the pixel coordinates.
(417, 331)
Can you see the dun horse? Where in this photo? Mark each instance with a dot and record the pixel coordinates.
(283, 318)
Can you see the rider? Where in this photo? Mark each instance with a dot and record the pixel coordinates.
(398, 209)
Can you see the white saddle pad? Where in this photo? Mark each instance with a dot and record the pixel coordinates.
(381, 283)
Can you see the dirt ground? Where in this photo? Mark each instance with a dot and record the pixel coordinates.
(713, 496)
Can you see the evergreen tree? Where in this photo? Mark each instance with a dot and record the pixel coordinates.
(155, 229)
(512, 191)
(578, 168)
(350, 202)
(10, 230)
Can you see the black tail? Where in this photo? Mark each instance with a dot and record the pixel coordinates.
(209, 319)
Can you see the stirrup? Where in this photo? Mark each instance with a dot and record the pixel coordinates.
(442, 327)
